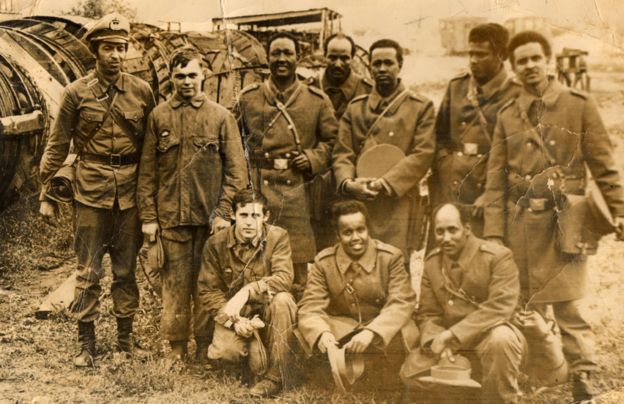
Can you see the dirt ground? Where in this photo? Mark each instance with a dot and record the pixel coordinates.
(36, 355)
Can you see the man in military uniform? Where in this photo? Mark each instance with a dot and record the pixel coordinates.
(289, 128)
(469, 293)
(542, 144)
(466, 120)
(358, 294)
(103, 114)
(247, 270)
(393, 115)
(341, 84)
(191, 166)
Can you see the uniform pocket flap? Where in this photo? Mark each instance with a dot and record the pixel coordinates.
(134, 114)
(167, 140)
(205, 142)
(92, 116)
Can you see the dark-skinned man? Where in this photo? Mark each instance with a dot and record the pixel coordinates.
(544, 142)
(392, 115)
(466, 120)
(341, 84)
(469, 293)
(103, 114)
(191, 166)
(289, 129)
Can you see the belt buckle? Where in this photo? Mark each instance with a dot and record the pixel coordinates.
(537, 204)
(115, 160)
(470, 149)
(280, 164)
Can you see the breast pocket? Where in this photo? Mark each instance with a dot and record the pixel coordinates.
(134, 118)
(206, 144)
(167, 141)
(89, 122)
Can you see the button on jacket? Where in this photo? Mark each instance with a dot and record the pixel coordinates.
(224, 259)
(375, 290)
(571, 131)
(462, 140)
(98, 185)
(192, 163)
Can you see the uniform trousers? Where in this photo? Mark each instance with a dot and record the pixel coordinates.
(183, 247)
(98, 231)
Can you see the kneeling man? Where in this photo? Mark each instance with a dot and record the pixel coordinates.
(469, 292)
(360, 283)
(247, 271)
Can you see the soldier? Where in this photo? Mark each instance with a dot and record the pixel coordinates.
(103, 114)
(341, 84)
(289, 128)
(466, 120)
(246, 271)
(469, 292)
(543, 142)
(191, 166)
(358, 294)
(393, 115)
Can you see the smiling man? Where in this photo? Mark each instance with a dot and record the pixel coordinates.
(468, 295)
(192, 164)
(358, 295)
(394, 115)
(544, 142)
(103, 114)
(466, 120)
(247, 271)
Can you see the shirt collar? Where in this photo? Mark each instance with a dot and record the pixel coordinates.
(271, 92)
(232, 238)
(377, 102)
(549, 98)
(196, 101)
(348, 87)
(367, 261)
(490, 88)
(119, 84)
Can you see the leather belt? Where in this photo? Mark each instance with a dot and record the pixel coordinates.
(113, 160)
(470, 149)
(536, 204)
(278, 162)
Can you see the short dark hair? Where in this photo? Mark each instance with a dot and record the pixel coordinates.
(387, 43)
(495, 34)
(525, 37)
(338, 35)
(245, 196)
(465, 212)
(283, 34)
(347, 207)
(181, 57)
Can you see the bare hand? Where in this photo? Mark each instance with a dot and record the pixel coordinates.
(49, 211)
(360, 341)
(326, 340)
(360, 189)
(376, 185)
(447, 353)
(219, 223)
(441, 342)
(302, 163)
(478, 206)
(149, 231)
(243, 328)
(619, 228)
(496, 240)
(532, 323)
(234, 306)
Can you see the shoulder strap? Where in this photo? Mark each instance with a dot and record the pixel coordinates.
(108, 112)
(283, 110)
(394, 102)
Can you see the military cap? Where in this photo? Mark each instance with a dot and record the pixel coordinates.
(111, 28)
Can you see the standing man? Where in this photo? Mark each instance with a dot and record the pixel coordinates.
(289, 128)
(543, 142)
(393, 115)
(469, 293)
(103, 114)
(191, 166)
(247, 271)
(466, 120)
(358, 296)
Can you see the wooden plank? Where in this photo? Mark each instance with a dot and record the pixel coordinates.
(58, 299)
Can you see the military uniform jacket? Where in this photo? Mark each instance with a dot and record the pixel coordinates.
(407, 125)
(530, 161)
(341, 96)
(464, 127)
(225, 269)
(192, 163)
(378, 295)
(487, 295)
(270, 136)
(99, 185)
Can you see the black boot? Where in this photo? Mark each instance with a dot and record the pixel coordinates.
(201, 350)
(125, 340)
(86, 337)
(582, 387)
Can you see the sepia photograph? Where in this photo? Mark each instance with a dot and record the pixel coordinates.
(311, 201)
